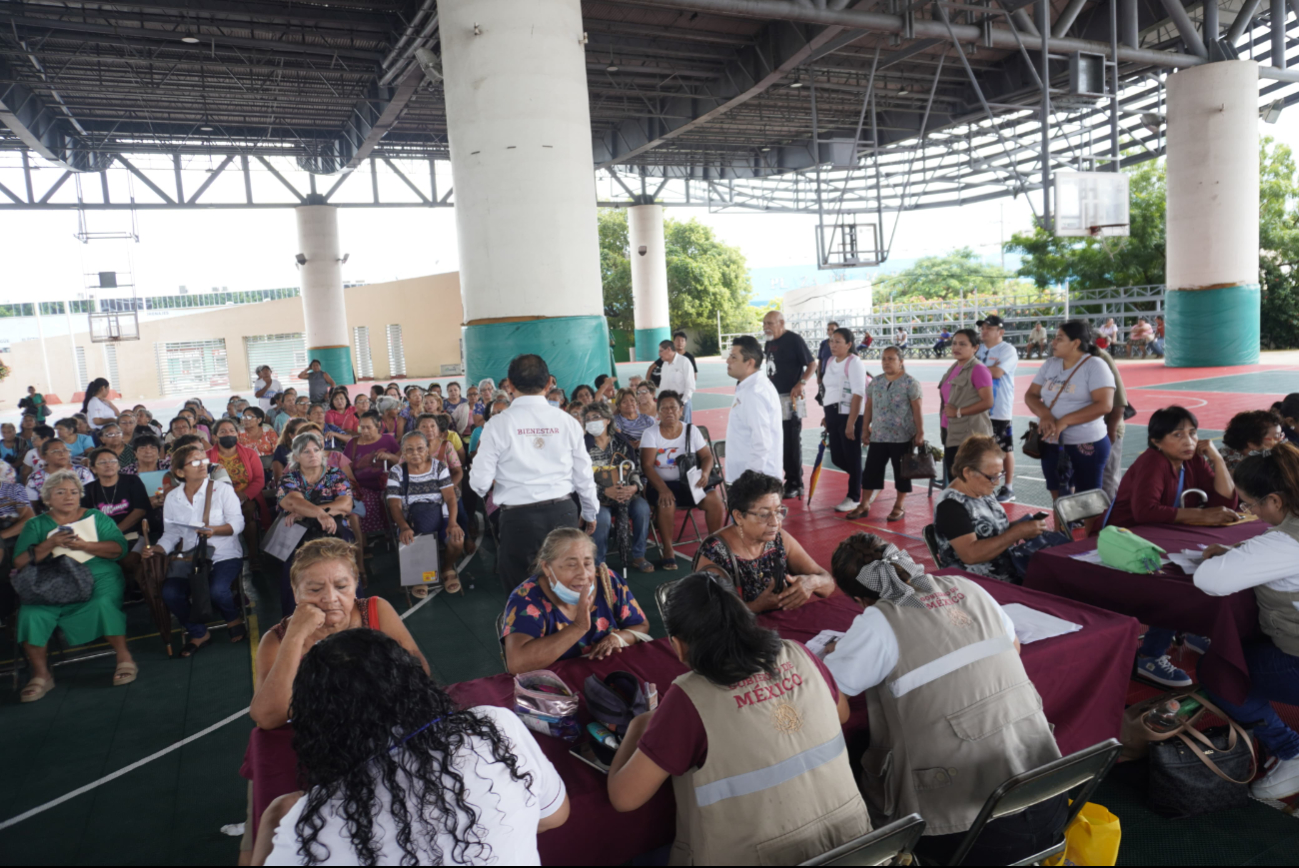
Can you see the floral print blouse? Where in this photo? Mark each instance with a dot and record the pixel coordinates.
(530, 612)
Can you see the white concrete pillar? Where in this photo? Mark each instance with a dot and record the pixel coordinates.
(1212, 203)
(323, 307)
(519, 126)
(649, 279)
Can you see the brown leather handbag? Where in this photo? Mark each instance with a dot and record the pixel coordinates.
(918, 464)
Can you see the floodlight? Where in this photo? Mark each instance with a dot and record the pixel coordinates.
(1272, 113)
(301, 259)
(343, 261)
(429, 62)
(1152, 121)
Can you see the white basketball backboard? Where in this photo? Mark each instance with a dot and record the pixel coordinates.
(108, 327)
(1091, 204)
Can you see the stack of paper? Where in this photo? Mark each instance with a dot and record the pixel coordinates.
(86, 530)
(1188, 559)
(1032, 625)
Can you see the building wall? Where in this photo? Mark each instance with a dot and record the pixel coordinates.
(428, 309)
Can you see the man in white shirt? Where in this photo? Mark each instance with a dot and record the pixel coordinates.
(1002, 359)
(676, 373)
(753, 434)
(532, 457)
(265, 388)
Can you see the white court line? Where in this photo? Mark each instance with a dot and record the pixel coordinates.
(54, 803)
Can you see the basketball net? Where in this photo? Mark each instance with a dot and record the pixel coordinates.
(1111, 244)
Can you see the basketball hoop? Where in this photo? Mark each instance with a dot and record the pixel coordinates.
(1091, 204)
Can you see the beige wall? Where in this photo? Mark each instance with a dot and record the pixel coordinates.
(427, 308)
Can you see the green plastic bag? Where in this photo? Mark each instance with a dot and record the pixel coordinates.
(1123, 550)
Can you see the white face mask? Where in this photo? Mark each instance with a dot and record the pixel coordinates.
(595, 427)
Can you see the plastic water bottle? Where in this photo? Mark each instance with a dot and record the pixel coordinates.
(1164, 716)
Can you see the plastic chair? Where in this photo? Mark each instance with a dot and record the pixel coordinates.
(887, 845)
(1086, 768)
(1070, 508)
(661, 595)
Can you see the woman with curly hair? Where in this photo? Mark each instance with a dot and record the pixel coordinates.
(396, 773)
(1253, 432)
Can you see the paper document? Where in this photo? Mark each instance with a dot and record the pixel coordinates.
(86, 530)
(152, 481)
(692, 479)
(1032, 625)
(1188, 559)
(818, 642)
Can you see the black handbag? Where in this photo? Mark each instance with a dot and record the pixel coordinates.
(56, 581)
(1193, 772)
(918, 464)
(1033, 436)
(689, 461)
(195, 567)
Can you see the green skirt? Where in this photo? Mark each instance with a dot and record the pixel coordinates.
(101, 615)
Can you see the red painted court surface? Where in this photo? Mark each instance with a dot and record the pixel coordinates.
(1213, 394)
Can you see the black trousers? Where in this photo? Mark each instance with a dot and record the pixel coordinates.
(792, 437)
(523, 529)
(1002, 841)
(845, 452)
(878, 457)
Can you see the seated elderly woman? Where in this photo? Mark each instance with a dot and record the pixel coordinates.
(570, 607)
(767, 567)
(55, 454)
(647, 400)
(1253, 432)
(281, 456)
(101, 615)
(371, 453)
(662, 448)
(624, 513)
(1175, 463)
(390, 418)
(255, 434)
(335, 437)
(111, 436)
(461, 786)
(314, 494)
(422, 500)
(556, 398)
(184, 513)
(630, 421)
(340, 411)
(898, 637)
(324, 583)
(972, 529)
(582, 394)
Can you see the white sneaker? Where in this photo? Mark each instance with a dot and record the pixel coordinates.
(848, 505)
(1280, 783)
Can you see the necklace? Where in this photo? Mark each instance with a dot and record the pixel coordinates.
(109, 498)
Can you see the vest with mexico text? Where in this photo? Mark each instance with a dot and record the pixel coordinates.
(1278, 611)
(777, 787)
(963, 394)
(956, 717)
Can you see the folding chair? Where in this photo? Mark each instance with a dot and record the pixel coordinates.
(1070, 508)
(931, 543)
(1086, 768)
(661, 595)
(887, 845)
(500, 640)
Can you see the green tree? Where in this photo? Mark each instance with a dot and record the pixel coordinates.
(948, 276)
(705, 277)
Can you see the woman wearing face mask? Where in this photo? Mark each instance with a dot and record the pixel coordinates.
(798, 795)
(623, 511)
(182, 513)
(324, 583)
(570, 607)
(246, 475)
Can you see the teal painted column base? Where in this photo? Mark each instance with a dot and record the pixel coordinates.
(1208, 328)
(647, 342)
(576, 348)
(335, 361)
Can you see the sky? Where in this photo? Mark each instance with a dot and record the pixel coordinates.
(243, 250)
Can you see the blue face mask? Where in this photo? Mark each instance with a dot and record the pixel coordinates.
(553, 403)
(566, 595)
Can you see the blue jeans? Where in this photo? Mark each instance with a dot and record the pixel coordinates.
(221, 586)
(1273, 675)
(640, 520)
(1088, 460)
(1156, 642)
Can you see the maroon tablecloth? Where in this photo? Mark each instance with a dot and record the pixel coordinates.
(1082, 678)
(1167, 598)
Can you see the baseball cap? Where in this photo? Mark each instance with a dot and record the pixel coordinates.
(994, 321)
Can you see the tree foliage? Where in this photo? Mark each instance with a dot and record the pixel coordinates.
(948, 276)
(705, 277)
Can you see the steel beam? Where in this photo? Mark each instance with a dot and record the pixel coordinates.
(1277, 23)
(1067, 17)
(1241, 21)
(43, 128)
(1185, 28)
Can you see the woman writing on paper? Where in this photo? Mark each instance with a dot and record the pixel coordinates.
(1269, 488)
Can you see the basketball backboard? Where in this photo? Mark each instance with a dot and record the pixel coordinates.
(1091, 204)
(108, 327)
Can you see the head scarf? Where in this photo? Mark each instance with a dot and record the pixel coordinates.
(881, 577)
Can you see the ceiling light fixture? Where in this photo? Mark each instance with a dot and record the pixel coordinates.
(190, 39)
(611, 68)
(796, 84)
(206, 129)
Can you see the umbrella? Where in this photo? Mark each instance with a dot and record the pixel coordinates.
(816, 468)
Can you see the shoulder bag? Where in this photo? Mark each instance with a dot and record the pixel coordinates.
(1193, 772)
(1033, 437)
(195, 566)
(689, 461)
(56, 581)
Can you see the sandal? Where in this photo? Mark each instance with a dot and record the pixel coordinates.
(419, 592)
(667, 564)
(643, 565)
(36, 689)
(238, 633)
(451, 581)
(124, 674)
(859, 512)
(189, 648)
(896, 514)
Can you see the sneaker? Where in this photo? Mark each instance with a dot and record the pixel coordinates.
(1279, 783)
(1005, 494)
(1160, 670)
(1198, 644)
(792, 493)
(847, 505)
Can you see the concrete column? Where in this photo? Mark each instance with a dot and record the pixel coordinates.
(1212, 206)
(323, 308)
(519, 126)
(649, 279)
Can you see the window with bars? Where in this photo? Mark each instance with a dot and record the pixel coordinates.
(285, 353)
(110, 357)
(82, 378)
(361, 345)
(396, 353)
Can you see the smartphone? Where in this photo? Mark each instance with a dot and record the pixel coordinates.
(1038, 516)
(585, 754)
(778, 580)
(63, 528)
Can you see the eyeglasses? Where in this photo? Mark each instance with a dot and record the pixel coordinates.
(994, 479)
(1249, 507)
(767, 516)
(107, 462)
(199, 462)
